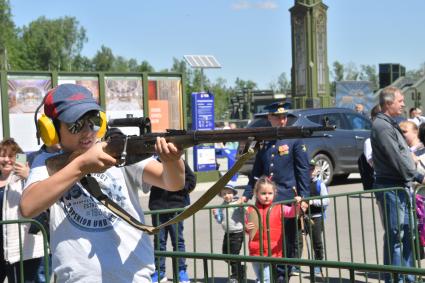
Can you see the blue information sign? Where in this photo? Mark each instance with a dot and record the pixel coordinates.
(203, 119)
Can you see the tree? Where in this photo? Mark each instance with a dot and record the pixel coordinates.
(416, 75)
(10, 50)
(120, 64)
(338, 71)
(283, 83)
(337, 74)
(82, 64)
(241, 84)
(52, 44)
(221, 99)
(368, 73)
(145, 67)
(104, 59)
(351, 72)
(133, 65)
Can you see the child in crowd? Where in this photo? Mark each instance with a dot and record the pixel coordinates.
(265, 192)
(315, 213)
(231, 219)
(88, 242)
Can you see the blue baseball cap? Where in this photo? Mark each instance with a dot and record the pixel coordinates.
(69, 102)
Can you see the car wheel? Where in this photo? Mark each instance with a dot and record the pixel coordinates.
(326, 170)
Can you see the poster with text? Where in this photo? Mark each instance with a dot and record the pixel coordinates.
(158, 114)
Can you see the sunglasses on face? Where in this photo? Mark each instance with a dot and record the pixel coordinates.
(93, 121)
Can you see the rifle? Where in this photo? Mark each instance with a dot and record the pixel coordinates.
(132, 149)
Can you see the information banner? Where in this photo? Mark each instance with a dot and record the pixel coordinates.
(203, 119)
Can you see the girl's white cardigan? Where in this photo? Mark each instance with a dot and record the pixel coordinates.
(32, 244)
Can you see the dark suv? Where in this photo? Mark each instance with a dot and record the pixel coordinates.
(335, 151)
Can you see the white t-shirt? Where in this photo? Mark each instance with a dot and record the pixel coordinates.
(91, 244)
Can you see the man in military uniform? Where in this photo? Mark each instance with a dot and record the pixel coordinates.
(286, 163)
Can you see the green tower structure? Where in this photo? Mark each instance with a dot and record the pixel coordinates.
(310, 71)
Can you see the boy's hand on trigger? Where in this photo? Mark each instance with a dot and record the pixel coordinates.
(167, 151)
(95, 160)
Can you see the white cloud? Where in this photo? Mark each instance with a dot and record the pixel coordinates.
(241, 5)
(262, 5)
(267, 5)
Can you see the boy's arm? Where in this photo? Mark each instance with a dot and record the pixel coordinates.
(169, 173)
(39, 196)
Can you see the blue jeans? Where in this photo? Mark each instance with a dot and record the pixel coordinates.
(176, 235)
(266, 272)
(395, 207)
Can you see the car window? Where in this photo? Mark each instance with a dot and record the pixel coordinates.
(315, 119)
(334, 119)
(291, 119)
(337, 120)
(358, 122)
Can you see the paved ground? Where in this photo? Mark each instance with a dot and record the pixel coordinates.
(344, 218)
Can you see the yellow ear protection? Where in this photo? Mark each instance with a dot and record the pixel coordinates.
(103, 125)
(46, 130)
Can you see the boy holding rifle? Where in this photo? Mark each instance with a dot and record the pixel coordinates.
(88, 242)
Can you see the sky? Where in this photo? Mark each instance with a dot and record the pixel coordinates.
(250, 38)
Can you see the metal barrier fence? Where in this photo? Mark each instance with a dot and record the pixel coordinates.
(20, 222)
(353, 239)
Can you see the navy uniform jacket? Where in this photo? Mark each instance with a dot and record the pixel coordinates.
(286, 162)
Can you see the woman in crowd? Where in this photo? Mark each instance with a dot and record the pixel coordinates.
(12, 178)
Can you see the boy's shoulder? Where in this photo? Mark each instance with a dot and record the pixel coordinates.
(40, 158)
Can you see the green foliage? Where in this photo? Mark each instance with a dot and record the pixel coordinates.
(242, 84)
(351, 72)
(416, 75)
(145, 67)
(104, 59)
(221, 99)
(52, 44)
(82, 64)
(10, 52)
(369, 73)
(338, 71)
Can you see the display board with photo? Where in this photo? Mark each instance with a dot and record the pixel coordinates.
(92, 83)
(25, 94)
(124, 97)
(165, 103)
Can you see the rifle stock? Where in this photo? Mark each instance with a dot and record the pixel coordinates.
(137, 148)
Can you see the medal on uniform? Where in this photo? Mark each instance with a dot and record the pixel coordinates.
(283, 149)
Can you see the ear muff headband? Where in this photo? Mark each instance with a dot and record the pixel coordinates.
(103, 126)
(49, 135)
(47, 131)
(36, 120)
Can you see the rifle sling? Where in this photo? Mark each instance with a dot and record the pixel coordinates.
(92, 186)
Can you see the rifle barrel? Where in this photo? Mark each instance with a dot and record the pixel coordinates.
(145, 144)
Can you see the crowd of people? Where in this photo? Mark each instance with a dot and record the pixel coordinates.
(89, 243)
